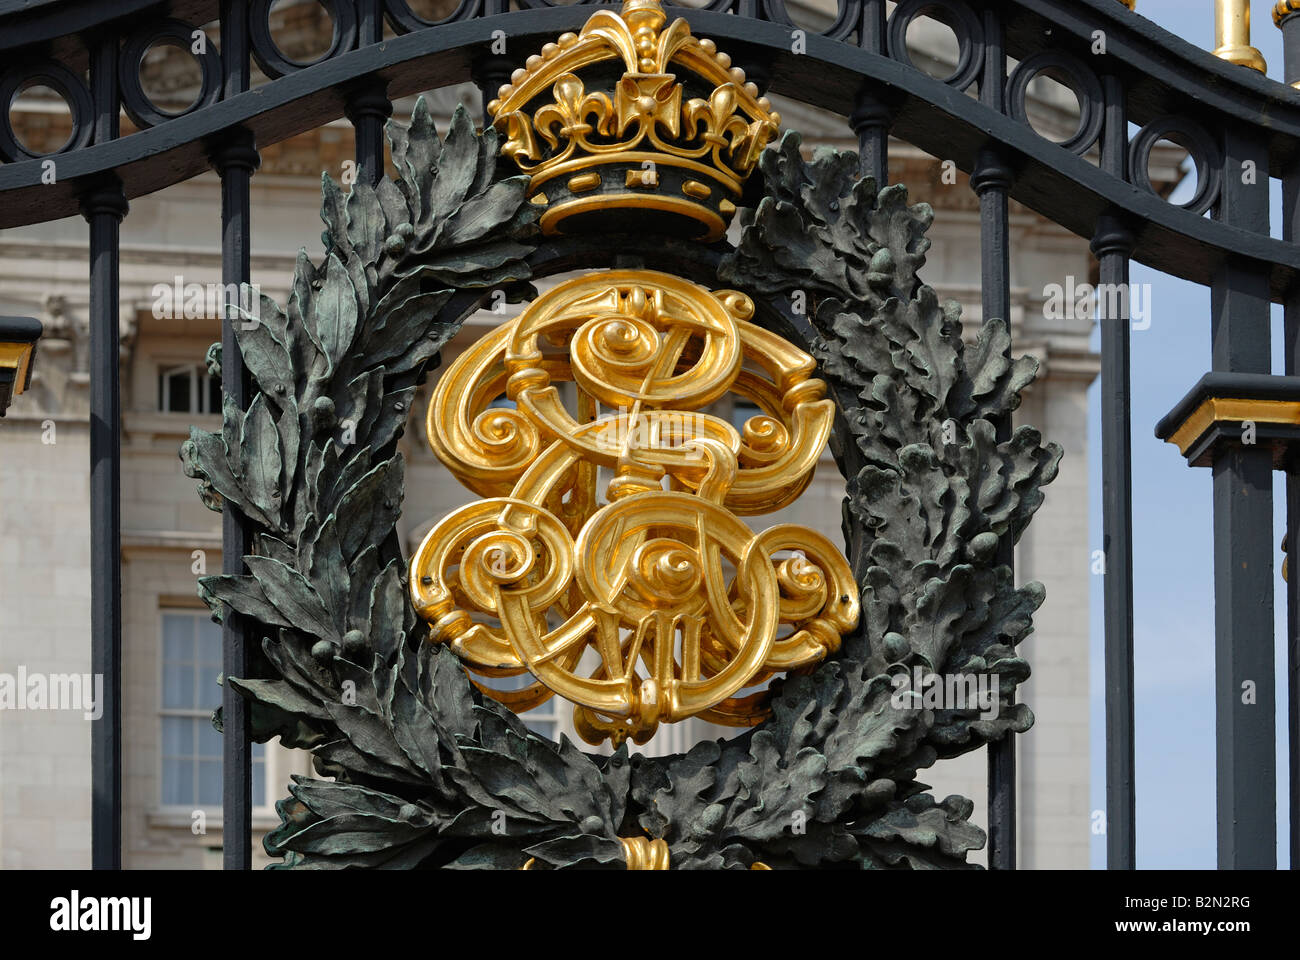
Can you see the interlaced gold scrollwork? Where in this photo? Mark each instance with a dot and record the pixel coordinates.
(608, 559)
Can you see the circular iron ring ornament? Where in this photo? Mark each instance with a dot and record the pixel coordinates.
(1071, 72)
(271, 58)
(847, 19)
(959, 18)
(403, 19)
(541, 4)
(715, 6)
(137, 104)
(1193, 138)
(58, 78)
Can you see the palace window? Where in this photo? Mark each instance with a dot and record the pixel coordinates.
(188, 389)
(191, 748)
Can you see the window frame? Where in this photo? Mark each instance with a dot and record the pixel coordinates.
(264, 805)
(200, 387)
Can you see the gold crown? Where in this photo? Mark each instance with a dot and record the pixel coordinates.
(628, 125)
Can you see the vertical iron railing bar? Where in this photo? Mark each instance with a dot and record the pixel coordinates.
(1291, 366)
(103, 204)
(1245, 693)
(1112, 243)
(870, 117)
(991, 181)
(368, 108)
(490, 71)
(235, 158)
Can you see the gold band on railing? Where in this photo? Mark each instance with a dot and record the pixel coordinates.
(1283, 9)
(642, 853)
(1217, 409)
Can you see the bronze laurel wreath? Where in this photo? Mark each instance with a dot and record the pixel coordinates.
(427, 773)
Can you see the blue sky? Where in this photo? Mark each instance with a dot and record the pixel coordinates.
(1173, 570)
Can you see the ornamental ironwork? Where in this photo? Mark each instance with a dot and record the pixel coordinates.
(634, 138)
(612, 524)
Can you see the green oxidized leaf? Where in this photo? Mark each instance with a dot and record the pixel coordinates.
(387, 601)
(457, 167)
(371, 507)
(280, 695)
(333, 209)
(334, 312)
(479, 215)
(289, 430)
(259, 452)
(777, 799)
(327, 568)
(576, 851)
(368, 733)
(366, 227)
(396, 329)
(204, 457)
(265, 354)
(291, 594)
(245, 594)
(499, 855)
(304, 348)
(921, 822)
(486, 265)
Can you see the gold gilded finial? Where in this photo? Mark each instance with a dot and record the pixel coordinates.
(666, 146)
(1232, 34)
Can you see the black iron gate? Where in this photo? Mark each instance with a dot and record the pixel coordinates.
(1122, 69)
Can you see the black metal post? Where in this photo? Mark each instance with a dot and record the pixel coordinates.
(1112, 244)
(370, 22)
(492, 67)
(991, 180)
(1290, 27)
(235, 158)
(104, 205)
(1243, 542)
(368, 107)
(870, 117)
(1291, 360)
(870, 121)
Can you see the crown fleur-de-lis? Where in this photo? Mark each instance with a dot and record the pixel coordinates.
(633, 145)
(572, 108)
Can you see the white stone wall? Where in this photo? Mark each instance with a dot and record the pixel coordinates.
(44, 612)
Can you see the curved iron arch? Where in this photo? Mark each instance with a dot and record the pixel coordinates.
(1161, 73)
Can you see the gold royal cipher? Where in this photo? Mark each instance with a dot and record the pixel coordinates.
(607, 562)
